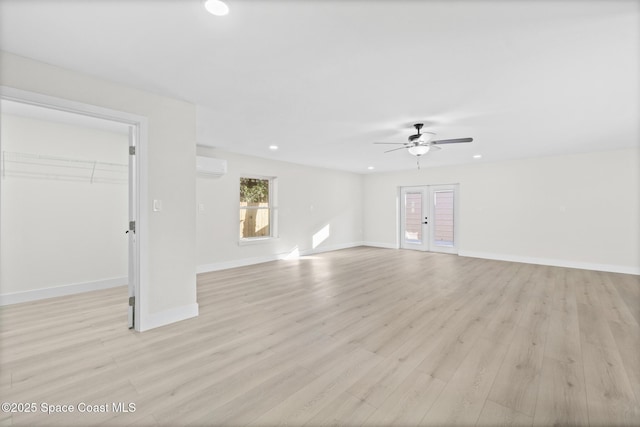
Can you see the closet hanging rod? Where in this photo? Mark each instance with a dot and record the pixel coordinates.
(15, 157)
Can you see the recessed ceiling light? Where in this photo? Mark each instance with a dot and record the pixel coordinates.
(371, 168)
(273, 147)
(216, 7)
(477, 156)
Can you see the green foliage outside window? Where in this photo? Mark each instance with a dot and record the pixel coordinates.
(253, 190)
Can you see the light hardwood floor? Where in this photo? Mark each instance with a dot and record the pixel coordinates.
(361, 336)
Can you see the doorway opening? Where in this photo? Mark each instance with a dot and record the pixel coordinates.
(429, 217)
(70, 199)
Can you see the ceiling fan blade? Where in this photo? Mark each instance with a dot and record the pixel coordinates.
(452, 141)
(395, 149)
(393, 143)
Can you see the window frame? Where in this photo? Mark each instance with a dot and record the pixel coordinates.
(273, 210)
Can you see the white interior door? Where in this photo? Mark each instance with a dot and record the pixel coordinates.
(429, 217)
(131, 232)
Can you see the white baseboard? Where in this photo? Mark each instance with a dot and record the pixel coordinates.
(473, 254)
(330, 248)
(553, 262)
(380, 245)
(59, 291)
(224, 265)
(155, 320)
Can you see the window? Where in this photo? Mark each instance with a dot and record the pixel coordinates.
(257, 208)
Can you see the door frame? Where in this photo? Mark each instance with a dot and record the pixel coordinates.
(428, 191)
(139, 258)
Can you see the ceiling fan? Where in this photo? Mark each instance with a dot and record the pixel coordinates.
(421, 143)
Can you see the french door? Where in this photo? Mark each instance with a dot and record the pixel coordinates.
(428, 218)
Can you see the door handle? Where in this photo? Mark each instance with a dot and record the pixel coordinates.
(425, 222)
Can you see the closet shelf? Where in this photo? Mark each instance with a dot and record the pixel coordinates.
(41, 166)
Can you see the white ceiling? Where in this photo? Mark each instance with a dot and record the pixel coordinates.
(325, 79)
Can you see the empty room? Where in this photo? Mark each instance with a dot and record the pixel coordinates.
(313, 213)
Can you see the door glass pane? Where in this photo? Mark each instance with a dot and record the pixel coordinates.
(443, 218)
(413, 218)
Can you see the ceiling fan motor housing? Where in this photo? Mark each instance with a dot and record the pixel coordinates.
(417, 136)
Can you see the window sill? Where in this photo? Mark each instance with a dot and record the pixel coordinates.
(256, 241)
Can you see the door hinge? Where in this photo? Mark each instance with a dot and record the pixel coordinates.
(132, 226)
(132, 301)
(132, 150)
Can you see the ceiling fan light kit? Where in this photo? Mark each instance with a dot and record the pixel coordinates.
(419, 150)
(421, 143)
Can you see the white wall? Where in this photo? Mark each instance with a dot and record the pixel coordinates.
(578, 210)
(169, 273)
(58, 231)
(309, 199)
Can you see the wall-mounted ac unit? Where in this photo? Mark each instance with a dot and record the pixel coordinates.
(210, 167)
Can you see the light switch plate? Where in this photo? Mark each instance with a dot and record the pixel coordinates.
(157, 205)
